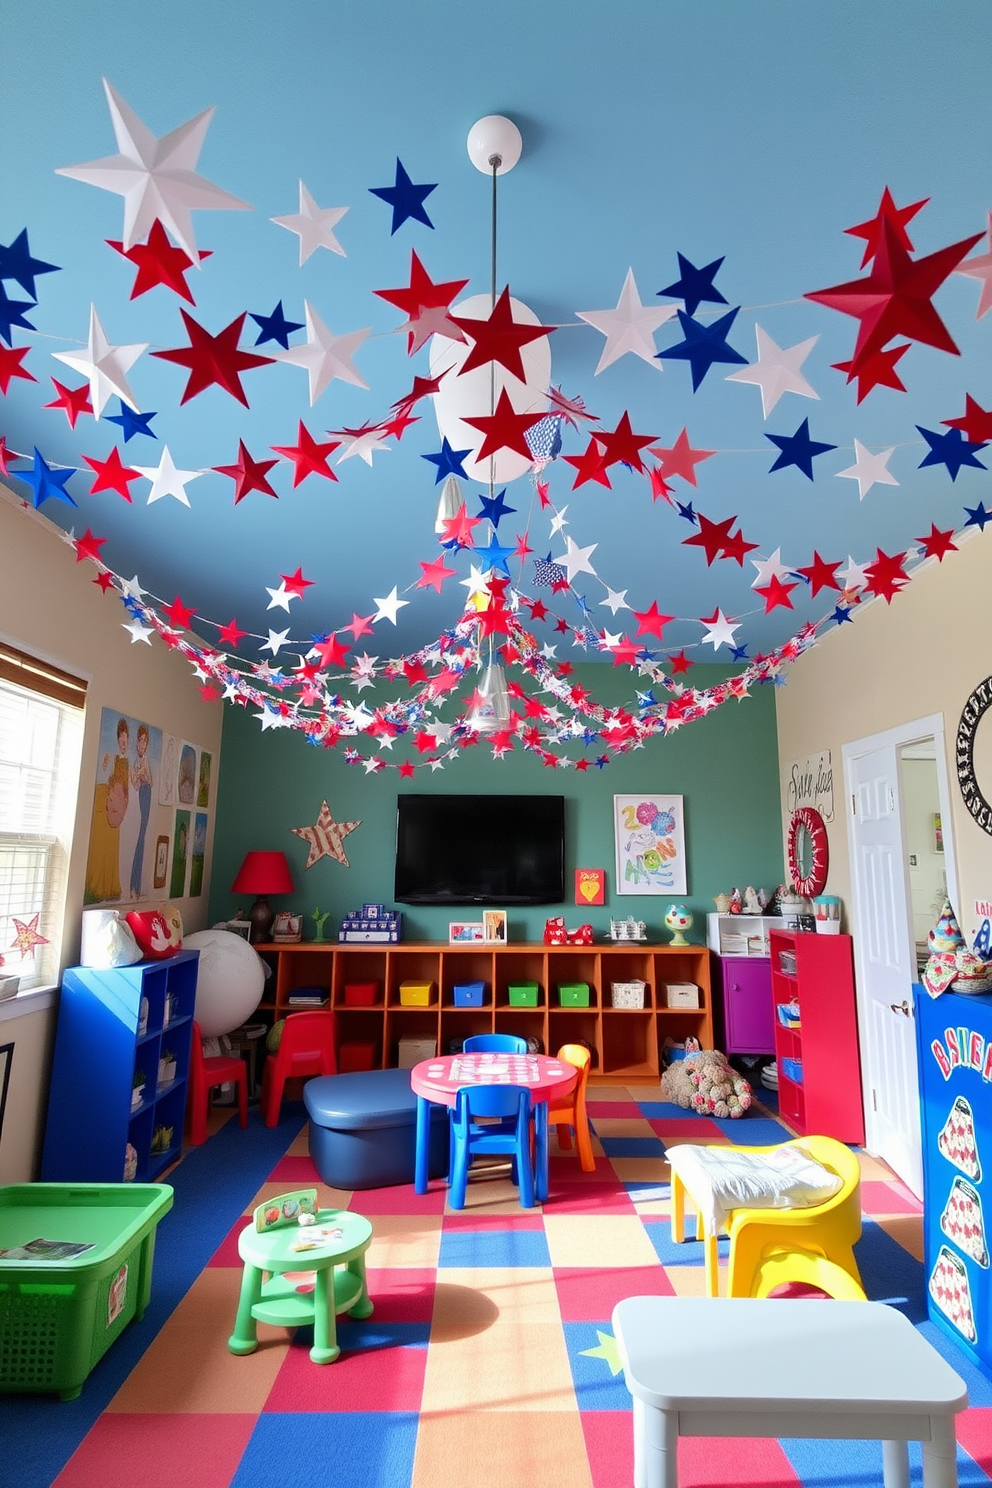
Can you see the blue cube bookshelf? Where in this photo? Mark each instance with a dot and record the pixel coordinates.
(102, 1046)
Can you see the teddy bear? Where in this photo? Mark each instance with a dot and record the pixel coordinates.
(707, 1084)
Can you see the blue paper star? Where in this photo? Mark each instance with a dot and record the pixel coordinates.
(406, 199)
(798, 449)
(10, 315)
(494, 556)
(688, 512)
(779, 679)
(582, 602)
(494, 507)
(275, 327)
(978, 517)
(739, 653)
(646, 699)
(589, 737)
(695, 284)
(601, 761)
(46, 482)
(448, 461)
(16, 263)
(131, 422)
(950, 449)
(841, 615)
(703, 345)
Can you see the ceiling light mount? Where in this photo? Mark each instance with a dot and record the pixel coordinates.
(494, 144)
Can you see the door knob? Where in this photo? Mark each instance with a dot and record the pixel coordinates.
(902, 1007)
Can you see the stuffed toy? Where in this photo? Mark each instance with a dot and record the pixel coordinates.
(153, 934)
(706, 1083)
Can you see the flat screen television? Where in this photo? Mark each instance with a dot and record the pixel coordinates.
(496, 850)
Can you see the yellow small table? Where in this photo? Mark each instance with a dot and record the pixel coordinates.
(338, 1262)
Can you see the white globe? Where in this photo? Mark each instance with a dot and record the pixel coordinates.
(229, 981)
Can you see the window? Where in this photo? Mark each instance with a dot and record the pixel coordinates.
(41, 726)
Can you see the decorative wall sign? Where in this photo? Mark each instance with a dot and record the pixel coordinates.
(590, 885)
(650, 843)
(809, 855)
(964, 754)
(810, 782)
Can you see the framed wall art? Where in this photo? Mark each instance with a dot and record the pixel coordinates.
(650, 843)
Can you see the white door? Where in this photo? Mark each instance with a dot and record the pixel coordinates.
(886, 963)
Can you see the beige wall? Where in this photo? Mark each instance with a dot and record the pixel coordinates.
(50, 606)
(921, 655)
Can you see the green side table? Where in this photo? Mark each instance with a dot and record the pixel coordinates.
(339, 1264)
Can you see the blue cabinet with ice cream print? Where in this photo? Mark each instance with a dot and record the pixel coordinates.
(954, 1041)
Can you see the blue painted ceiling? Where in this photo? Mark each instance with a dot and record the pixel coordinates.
(754, 134)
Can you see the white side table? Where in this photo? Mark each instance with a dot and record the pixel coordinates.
(804, 1368)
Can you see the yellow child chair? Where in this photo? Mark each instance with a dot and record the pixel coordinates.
(783, 1267)
(571, 1114)
(829, 1229)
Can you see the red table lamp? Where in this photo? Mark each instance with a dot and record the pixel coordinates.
(262, 873)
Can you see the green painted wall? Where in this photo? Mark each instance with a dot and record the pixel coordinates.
(725, 766)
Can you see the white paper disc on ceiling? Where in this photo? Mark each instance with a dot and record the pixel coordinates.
(470, 395)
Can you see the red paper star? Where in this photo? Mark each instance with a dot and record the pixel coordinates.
(737, 547)
(871, 230)
(296, 583)
(776, 594)
(423, 387)
(248, 474)
(878, 370)
(681, 664)
(27, 935)
(650, 622)
(5, 455)
(112, 474)
(458, 529)
(938, 543)
(521, 550)
(895, 298)
(500, 338)
(820, 574)
(396, 427)
(406, 770)
(711, 537)
(88, 546)
(72, 401)
(179, 614)
(231, 634)
(505, 429)
(360, 625)
(414, 672)
(308, 456)
(434, 574)
(659, 485)
(681, 459)
(975, 423)
(623, 446)
(589, 466)
(213, 359)
(424, 303)
(11, 358)
(425, 742)
(332, 653)
(494, 618)
(571, 409)
(538, 610)
(625, 652)
(885, 576)
(158, 262)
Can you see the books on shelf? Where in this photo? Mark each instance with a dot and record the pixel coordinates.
(314, 997)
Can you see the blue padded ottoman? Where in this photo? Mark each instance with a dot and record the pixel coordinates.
(363, 1129)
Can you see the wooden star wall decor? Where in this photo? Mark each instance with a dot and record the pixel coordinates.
(326, 837)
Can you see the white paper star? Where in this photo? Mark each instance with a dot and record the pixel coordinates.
(980, 268)
(615, 600)
(769, 569)
(139, 632)
(869, 470)
(855, 575)
(720, 631)
(277, 639)
(280, 598)
(558, 520)
(324, 355)
(269, 718)
(630, 327)
(166, 479)
(156, 177)
(388, 607)
(370, 442)
(104, 365)
(777, 370)
(576, 560)
(131, 589)
(313, 225)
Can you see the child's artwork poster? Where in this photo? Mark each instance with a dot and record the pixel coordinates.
(180, 852)
(198, 854)
(203, 785)
(170, 770)
(650, 843)
(127, 818)
(186, 787)
(590, 885)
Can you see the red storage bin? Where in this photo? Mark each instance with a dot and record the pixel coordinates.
(361, 994)
(356, 1056)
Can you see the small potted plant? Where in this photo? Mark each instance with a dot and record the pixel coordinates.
(137, 1089)
(166, 1067)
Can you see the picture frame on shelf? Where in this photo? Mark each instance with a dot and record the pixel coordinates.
(649, 833)
(287, 928)
(237, 927)
(466, 932)
(161, 862)
(494, 925)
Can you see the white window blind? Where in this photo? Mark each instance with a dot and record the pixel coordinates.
(40, 739)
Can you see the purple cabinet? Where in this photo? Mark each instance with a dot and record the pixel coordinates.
(748, 1015)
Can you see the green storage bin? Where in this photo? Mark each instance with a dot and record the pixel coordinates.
(522, 994)
(59, 1316)
(573, 994)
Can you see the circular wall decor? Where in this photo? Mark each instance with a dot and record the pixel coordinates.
(964, 754)
(808, 846)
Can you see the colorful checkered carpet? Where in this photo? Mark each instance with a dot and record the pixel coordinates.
(489, 1361)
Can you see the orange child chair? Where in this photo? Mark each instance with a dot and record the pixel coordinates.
(308, 1047)
(204, 1074)
(571, 1114)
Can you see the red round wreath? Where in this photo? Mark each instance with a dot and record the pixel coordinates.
(806, 819)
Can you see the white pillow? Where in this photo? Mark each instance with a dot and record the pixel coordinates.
(720, 1179)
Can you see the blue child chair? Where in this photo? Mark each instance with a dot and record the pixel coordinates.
(495, 1043)
(512, 1138)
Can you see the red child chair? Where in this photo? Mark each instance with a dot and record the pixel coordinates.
(206, 1072)
(308, 1046)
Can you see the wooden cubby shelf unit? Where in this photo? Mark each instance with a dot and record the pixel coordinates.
(627, 1043)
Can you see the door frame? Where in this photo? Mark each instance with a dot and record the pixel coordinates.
(931, 726)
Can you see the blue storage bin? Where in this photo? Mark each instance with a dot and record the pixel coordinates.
(469, 994)
(792, 1069)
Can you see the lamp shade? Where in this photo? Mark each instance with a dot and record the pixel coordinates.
(263, 873)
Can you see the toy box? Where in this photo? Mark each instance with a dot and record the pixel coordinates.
(627, 994)
(416, 994)
(522, 994)
(361, 994)
(681, 995)
(414, 1050)
(573, 994)
(353, 1056)
(374, 923)
(469, 994)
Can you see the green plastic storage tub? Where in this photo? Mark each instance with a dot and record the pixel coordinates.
(573, 994)
(58, 1316)
(522, 994)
